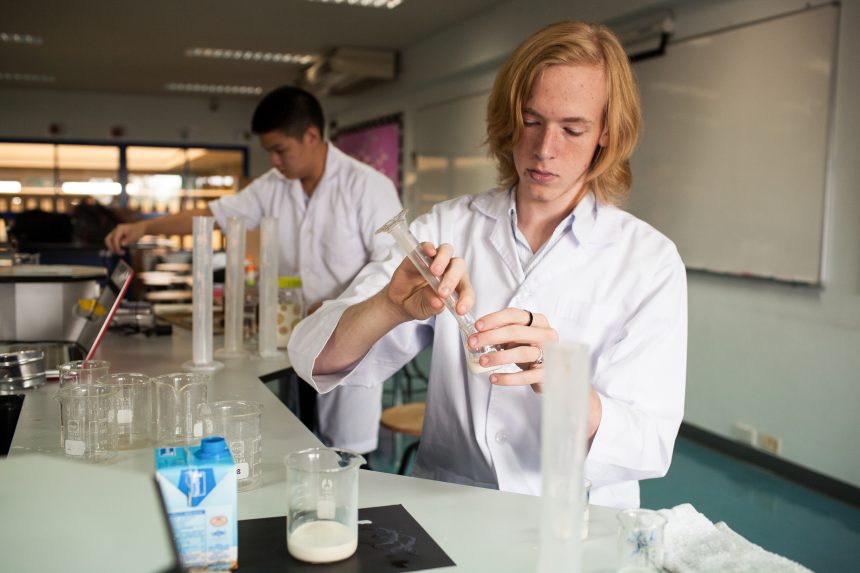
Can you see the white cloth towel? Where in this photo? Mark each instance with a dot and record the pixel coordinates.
(693, 544)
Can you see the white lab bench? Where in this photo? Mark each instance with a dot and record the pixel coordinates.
(481, 530)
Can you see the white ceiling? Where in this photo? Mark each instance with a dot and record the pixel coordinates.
(138, 47)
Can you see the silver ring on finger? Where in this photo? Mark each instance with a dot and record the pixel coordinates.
(539, 359)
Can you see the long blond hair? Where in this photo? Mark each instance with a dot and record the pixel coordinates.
(572, 43)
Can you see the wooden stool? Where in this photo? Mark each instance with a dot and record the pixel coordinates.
(407, 419)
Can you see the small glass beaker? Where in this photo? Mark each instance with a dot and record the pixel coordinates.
(88, 428)
(134, 408)
(640, 541)
(177, 412)
(322, 504)
(83, 371)
(239, 423)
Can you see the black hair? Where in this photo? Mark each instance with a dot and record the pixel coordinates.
(288, 109)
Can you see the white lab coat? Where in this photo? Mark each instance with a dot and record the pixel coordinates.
(326, 240)
(612, 282)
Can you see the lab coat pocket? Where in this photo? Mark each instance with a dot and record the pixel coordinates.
(594, 324)
(343, 253)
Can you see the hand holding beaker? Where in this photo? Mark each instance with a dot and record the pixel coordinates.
(520, 335)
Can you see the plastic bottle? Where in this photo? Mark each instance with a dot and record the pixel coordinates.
(291, 307)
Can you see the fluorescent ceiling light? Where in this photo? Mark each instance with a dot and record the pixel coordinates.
(11, 38)
(94, 187)
(249, 56)
(15, 77)
(10, 186)
(390, 4)
(213, 89)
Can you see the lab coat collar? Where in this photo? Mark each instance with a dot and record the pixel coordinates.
(334, 159)
(495, 204)
(593, 222)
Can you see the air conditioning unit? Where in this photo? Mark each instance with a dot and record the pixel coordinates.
(347, 71)
(645, 35)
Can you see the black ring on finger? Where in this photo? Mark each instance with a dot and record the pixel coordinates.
(531, 317)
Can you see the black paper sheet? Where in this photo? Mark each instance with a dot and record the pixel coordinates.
(392, 541)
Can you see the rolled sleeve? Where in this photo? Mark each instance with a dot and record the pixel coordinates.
(386, 357)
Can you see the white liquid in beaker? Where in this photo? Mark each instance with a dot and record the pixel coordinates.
(475, 366)
(322, 542)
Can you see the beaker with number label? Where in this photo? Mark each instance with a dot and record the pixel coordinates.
(239, 422)
(134, 408)
(88, 428)
(322, 504)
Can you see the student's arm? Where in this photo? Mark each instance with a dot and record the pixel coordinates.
(406, 297)
(126, 234)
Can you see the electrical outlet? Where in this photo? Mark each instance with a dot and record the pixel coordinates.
(770, 443)
(744, 433)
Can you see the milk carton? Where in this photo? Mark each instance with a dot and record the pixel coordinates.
(198, 485)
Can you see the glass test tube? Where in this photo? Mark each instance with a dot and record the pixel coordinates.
(268, 287)
(201, 298)
(398, 228)
(567, 375)
(234, 296)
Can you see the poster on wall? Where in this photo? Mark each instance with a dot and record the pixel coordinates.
(377, 143)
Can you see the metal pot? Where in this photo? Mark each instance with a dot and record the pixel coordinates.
(21, 369)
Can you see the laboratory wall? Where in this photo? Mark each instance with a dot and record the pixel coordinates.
(90, 116)
(782, 359)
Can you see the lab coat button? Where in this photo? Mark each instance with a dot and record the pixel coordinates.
(501, 437)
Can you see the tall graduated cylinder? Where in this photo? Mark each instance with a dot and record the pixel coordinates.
(234, 299)
(322, 504)
(201, 311)
(563, 444)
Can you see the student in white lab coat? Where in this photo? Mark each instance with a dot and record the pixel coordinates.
(328, 206)
(546, 256)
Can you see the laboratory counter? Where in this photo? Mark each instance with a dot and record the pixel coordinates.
(480, 529)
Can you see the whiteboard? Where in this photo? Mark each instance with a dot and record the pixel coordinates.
(733, 159)
(450, 156)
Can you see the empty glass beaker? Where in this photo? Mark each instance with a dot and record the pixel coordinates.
(83, 371)
(88, 421)
(134, 408)
(178, 399)
(239, 423)
(322, 504)
(640, 541)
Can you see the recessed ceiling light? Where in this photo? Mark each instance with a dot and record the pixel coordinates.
(213, 89)
(249, 55)
(390, 4)
(12, 38)
(14, 77)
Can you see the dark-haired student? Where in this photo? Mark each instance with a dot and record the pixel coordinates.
(328, 206)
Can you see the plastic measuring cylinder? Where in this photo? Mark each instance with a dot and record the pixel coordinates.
(398, 228)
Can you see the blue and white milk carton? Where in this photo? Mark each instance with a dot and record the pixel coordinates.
(198, 485)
